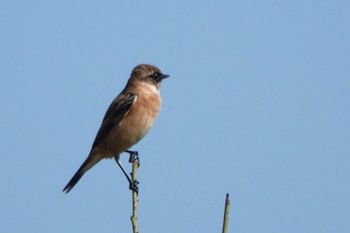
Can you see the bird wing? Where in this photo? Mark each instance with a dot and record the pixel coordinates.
(115, 113)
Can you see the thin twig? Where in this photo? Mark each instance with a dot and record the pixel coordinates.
(226, 214)
(135, 201)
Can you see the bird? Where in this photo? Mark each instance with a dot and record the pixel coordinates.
(127, 120)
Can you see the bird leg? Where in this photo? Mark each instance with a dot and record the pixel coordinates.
(132, 184)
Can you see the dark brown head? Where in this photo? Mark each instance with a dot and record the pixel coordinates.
(148, 73)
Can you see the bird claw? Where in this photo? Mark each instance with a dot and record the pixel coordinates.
(134, 157)
(133, 186)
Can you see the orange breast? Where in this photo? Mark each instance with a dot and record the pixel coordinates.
(134, 126)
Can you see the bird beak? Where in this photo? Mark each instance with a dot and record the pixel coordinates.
(165, 76)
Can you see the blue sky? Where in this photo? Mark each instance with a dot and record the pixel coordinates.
(257, 105)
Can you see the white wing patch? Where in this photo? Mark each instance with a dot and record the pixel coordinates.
(130, 107)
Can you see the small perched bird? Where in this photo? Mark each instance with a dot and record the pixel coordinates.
(127, 120)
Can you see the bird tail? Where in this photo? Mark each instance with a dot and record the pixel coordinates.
(88, 163)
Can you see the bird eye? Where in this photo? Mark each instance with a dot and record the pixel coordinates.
(156, 76)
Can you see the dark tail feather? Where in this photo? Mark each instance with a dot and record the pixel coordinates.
(73, 181)
(88, 163)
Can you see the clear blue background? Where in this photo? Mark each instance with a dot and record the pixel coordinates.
(257, 105)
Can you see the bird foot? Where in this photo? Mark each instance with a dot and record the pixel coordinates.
(133, 186)
(134, 157)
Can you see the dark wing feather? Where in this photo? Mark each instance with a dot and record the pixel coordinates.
(115, 113)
